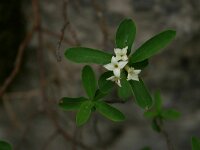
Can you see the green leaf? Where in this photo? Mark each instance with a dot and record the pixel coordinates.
(105, 86)
(170, 114)
(89, 81)
(84, 113)
(67, 103)
(99, 95)
(142, 95)
(195, 143)
(87, 55)
(5, 145)
(150, 114)
(152, 46)
(141, 64)
(109, 111)
(125, 34)
(125, 91)
(158, 101)
(155, 126)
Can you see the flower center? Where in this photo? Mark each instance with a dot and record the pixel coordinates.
(131, 72)
(116, 66)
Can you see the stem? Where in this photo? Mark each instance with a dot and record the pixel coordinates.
(165, 134)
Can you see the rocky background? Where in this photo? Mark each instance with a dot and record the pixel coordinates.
(29, 116)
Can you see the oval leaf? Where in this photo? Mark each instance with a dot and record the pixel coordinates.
(89, 81)
(87, 55)
(195, 143)
(140, 65)
(99, 95)
(105, 86)
(5, 145)
(125, 34)
(152, 46)
(67, 103)
(125, 91)
(142, 95)
(109, 111)
(84, 113)
(170, 114)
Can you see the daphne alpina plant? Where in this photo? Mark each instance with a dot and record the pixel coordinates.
(123, 68)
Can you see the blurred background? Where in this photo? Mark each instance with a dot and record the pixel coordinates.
(34, 74)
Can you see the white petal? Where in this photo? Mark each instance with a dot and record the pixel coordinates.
(132, 77)
(115, 79)
(118, 57)
(117, 50)
(130, 69)
(128, 77)
(124, 58)
(109, 66)
(122, 64)
(118, 82)
(124, 50)
(135, 78)
(116, 72)
(137, 71)
(112, 78)
(114, 60)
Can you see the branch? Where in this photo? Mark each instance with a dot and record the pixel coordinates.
(66, 23)
(56, 35)
(159, 122)
(51, 114)
(18, 62)
(101, 22)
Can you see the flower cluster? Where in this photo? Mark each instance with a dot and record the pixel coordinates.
(120, 62)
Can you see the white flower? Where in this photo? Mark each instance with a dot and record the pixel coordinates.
(115, 79)
(132, 73)
(116, 66)
(121, 53)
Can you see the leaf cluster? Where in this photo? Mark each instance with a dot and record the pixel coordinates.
(158, 114)
(138, 59)
(94, 102)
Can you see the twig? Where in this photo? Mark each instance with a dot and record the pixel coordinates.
(66, 23)
(165, 134)
(56, 35)
(51, 114)
(74, 35)
(28, 94)
(168, 141)
(18, 62)
(102, 22)
(64, 133)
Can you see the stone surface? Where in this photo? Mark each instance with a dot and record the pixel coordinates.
(175, 71)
